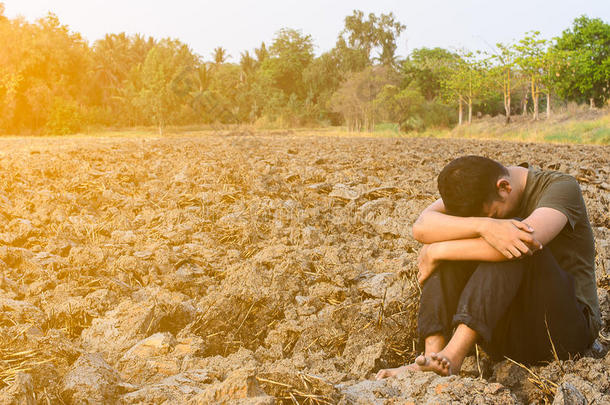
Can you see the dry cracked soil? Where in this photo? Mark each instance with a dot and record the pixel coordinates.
(246, 268)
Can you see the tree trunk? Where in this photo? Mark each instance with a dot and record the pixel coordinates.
(469, 111)
(524, 102)
(591, 104)
(535, 99)
(460, 112)
(507, 92)
(160, 123)
(548, 105)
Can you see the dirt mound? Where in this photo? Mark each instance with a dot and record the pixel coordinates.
(245, 269)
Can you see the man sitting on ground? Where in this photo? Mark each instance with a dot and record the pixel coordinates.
(524, 289)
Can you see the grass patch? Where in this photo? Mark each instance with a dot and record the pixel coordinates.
(593, 132)
(387, 127)
(561, 128)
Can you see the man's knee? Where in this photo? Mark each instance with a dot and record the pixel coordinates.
(496, 274)
(504, 266)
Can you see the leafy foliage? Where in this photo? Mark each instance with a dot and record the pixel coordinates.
(53, 81)
(586, 50)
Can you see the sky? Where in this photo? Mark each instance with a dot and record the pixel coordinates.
(242, 25)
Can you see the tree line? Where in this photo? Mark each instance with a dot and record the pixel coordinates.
(53, 81)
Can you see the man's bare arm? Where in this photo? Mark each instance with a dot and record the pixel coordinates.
(435, 225)
(546, 222)
(506, 235)
(475, 249)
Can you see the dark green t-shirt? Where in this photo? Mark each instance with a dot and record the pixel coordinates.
(573, 247)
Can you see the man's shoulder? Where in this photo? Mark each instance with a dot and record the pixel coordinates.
(542, 179)
(553, 189)
(554, 174)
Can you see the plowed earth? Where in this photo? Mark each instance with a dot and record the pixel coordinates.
(284, 257)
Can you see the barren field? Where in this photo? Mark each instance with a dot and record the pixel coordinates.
(245, 268)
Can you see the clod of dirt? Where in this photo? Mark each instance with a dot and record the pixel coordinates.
(567, 394)
(126, 237)
(368, 360)
(343, 192)
(20, 312)
(123, 326)
(155, 345)
(20, 392)
(240, 384)
(426, 388)
(377, 285)
(178, 388)
(91, 380)
(148, 361)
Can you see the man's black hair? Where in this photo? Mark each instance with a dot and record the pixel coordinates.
(467, 183)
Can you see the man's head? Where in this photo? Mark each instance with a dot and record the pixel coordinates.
(476, 186)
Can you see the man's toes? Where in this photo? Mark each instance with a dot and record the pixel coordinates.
(421, 360)
(438, 359)
(383, 373)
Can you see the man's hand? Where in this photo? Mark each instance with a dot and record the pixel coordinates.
(426, 264)
(510, 237)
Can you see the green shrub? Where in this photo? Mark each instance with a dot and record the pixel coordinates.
(387, 127)
(437, 114)
(414, 123)
(65, 117)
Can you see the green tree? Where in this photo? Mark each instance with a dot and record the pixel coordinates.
(404, 106)
(220, 55)
(554, 62)
(501, 74)
(248, 64)
(261, 53)
(115, 58)
(531, 60)
(387, 32)
(466, 83)
(290, 53)
(586, 74)
(40, 63)
(165, 81)
(355, 98)
(322, 77)
(427, 68)
(365, 34)
(350, 59)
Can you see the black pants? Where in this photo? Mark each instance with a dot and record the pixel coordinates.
(509, 304)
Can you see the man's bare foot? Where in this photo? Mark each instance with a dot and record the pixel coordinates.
(434, 362)
(393, 372)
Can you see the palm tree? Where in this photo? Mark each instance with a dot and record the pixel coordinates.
(247, 62)
(220, 55)
(261, 53)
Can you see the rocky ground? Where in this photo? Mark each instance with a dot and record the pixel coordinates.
(245, 268)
